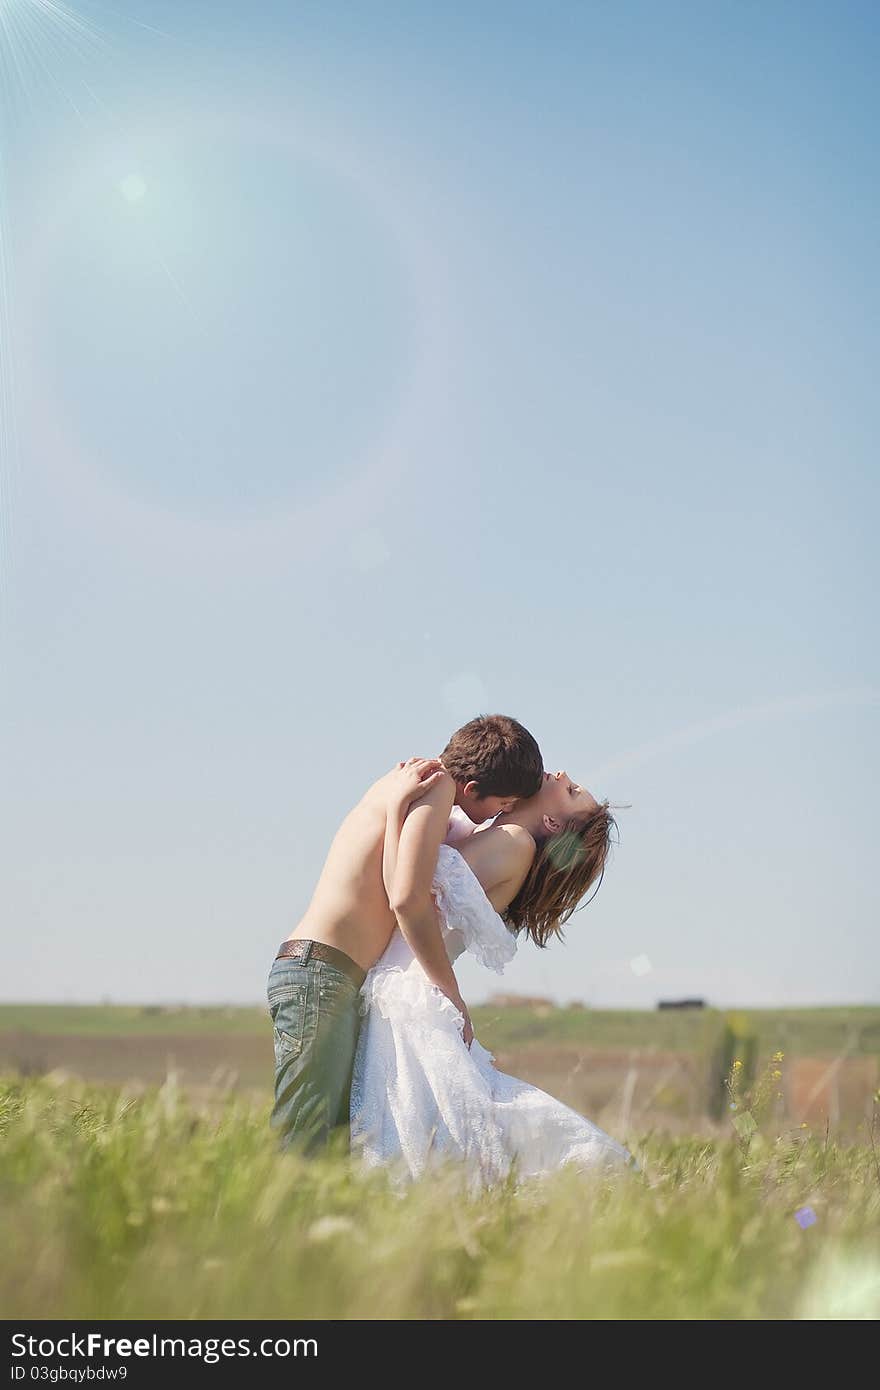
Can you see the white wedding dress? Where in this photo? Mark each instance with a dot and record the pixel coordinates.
(420, 1096)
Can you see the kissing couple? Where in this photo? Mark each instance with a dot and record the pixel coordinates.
(374, 1044)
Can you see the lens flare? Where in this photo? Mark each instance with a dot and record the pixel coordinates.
(34, 36)
(39, 41)
(858, 696)
(132, 188)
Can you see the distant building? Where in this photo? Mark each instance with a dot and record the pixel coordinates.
(520, 1001)
(681, 1004)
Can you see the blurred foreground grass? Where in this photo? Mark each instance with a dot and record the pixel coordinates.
(123, 1205)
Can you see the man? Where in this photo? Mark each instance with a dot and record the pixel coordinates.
(313, 989)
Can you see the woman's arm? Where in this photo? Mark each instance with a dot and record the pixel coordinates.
(500, 858)
(394, 818)
(418, 845)
(403, 785)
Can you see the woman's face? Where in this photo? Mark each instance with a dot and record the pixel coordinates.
(562, 799)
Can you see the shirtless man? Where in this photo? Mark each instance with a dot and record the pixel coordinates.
(314, 983)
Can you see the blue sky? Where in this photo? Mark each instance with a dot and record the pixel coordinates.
(368, 367)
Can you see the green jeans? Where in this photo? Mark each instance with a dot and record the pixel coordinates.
(315, 1016)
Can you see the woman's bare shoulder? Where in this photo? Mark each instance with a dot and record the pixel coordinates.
(505, 847)
(522, 838)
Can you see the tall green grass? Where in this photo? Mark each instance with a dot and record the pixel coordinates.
(116, 1205)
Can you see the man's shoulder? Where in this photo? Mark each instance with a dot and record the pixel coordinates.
(445, 786)
(460, 826)
(439, 796)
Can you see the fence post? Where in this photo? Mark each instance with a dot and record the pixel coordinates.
(737, 1040)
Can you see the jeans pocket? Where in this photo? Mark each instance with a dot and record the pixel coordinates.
(288, 1007)
(336, 992)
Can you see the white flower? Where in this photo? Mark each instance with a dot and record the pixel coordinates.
(326, 1227)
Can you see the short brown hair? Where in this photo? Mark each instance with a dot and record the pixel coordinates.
(564, 868)
(498, 754)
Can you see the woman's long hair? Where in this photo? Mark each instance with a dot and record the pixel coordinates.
(563, 870)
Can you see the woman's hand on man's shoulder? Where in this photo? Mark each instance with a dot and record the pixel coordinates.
(414, 779)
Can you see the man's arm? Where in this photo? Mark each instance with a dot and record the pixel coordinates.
(411, 901)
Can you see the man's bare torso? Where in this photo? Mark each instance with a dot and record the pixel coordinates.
(349, 908)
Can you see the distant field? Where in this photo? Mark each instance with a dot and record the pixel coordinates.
(815, 1032)
(654, 1068)
(103, 1019)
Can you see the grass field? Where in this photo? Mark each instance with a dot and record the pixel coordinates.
(817, 1032)
(138, 1177)
(116, 1204)
(658, 1069)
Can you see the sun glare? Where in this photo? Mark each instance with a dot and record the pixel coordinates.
(42, 44)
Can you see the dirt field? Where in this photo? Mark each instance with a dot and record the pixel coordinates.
(620, 1088)
(243, 1061)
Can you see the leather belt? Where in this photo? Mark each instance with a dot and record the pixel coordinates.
(303, 950)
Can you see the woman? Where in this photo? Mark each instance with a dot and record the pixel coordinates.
(419, 1095)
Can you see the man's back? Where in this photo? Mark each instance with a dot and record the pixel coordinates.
(349, 908)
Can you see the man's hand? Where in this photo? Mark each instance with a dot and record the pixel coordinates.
(409, 781)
